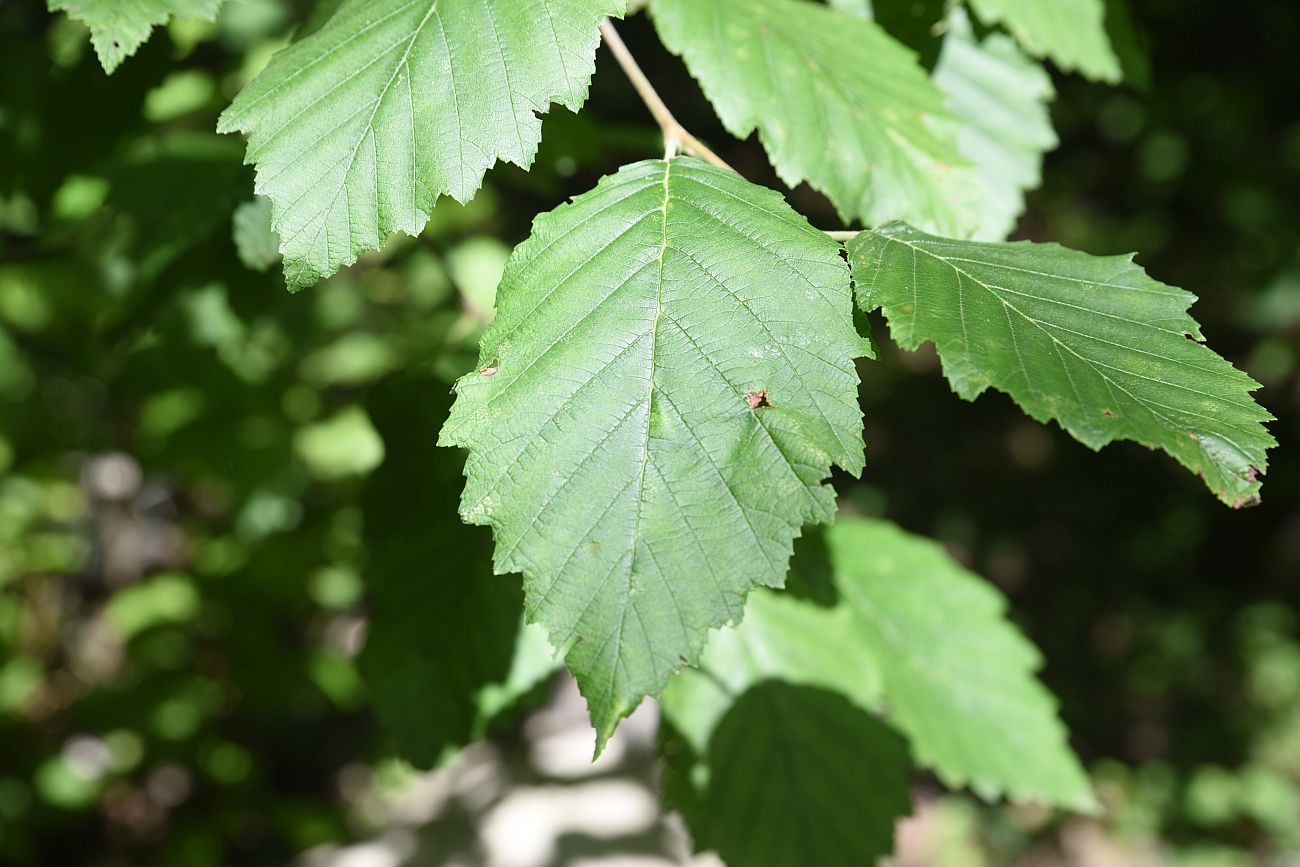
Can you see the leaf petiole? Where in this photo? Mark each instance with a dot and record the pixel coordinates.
(676, 137)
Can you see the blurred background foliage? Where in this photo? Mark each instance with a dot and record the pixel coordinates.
(208, 486)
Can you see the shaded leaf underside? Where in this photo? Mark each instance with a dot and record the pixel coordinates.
(799, 775)
(446, 647)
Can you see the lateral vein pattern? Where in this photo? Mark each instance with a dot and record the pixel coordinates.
(360, 127)
(1090, 341)
(668, 380)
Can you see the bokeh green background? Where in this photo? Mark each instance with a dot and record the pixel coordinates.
(189, 484)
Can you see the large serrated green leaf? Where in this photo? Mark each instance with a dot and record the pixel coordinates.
(1090, 341)
(910, 633)
(837, 103)
(358, 129)
(119, 27)
(1070, 32)
(668, 380)
(1001, 96)
(958, 678)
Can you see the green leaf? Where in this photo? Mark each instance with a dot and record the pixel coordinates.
(837, 103)
(447, 649)
(860, 8)
(167, 598)
(1090, 341)
(343, 445)
(796, 775)
(1002, 97)
(255, 241)
(357, 129)
(958, 678)
(1130, 45)
(119, 27)
(781, 638)
(667, 382)
(909, 633)
(1072, 33)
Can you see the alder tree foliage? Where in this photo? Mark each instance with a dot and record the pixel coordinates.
(672, 372)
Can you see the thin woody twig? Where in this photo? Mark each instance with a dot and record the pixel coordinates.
(676, 137)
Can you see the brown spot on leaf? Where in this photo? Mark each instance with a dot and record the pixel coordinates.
(758, 399)
(1109, 413)
(489, 370)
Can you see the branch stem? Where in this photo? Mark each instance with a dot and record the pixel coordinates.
(676, 137)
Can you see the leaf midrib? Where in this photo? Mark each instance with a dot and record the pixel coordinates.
(650, 376)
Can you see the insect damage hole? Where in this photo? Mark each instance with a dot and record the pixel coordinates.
(758, 399)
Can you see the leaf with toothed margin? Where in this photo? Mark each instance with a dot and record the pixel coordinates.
(119, 27)
(1089, 341)
(1070, 32)
(357, 129)
(1001, 96)
(958, 678)
(902, 632)
(837, 102)
(668, 380)
(782, 637)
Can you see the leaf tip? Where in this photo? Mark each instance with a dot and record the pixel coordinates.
(606, 724)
